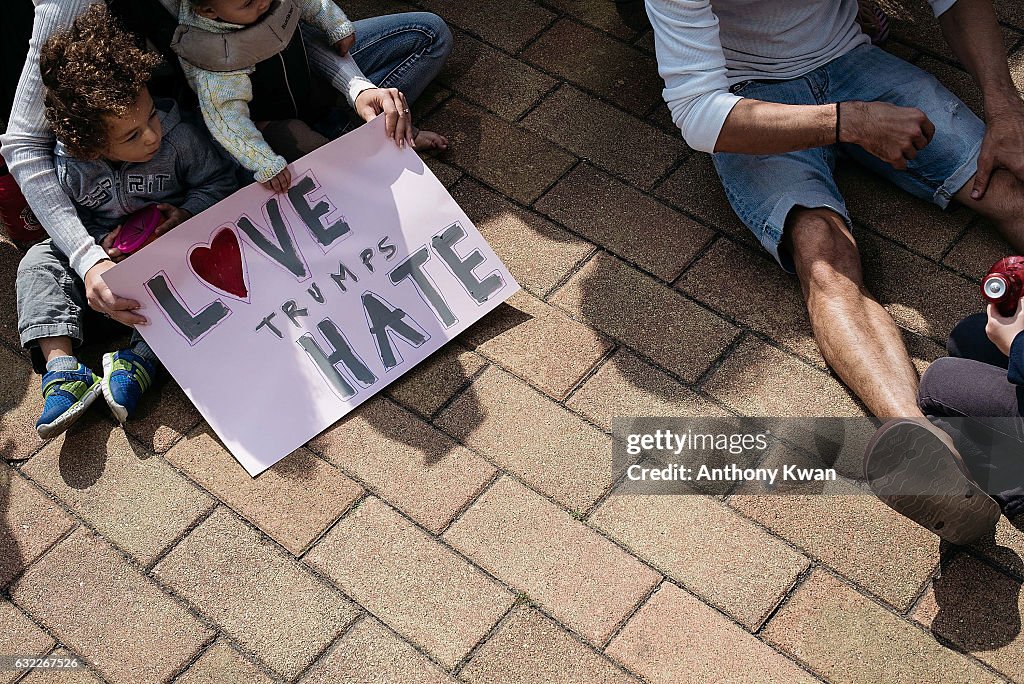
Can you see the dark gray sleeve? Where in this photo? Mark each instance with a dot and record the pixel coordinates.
(208, 176)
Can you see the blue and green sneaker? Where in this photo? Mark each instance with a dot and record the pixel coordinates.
(126, 375)
(67, 393)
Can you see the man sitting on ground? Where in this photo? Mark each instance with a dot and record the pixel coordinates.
(776, 90)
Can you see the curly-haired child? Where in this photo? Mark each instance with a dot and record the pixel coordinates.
(117, 151)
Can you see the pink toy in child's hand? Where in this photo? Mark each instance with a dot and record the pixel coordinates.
(138, 228)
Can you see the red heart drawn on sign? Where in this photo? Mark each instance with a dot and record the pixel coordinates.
(220, 264)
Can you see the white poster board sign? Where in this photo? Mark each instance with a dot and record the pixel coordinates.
(279, 314)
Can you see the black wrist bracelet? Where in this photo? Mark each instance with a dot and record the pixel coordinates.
(839, 118)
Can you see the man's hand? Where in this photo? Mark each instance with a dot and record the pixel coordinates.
(893, 134)
(1003, 145)
(101, 299)
(279, 183)
(345, 44)
(391, 102)
(173, 216)
(1002, 329)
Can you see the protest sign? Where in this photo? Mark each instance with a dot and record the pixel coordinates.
(279, 314)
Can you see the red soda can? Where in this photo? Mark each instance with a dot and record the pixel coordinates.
(17, 221)
(1004, 284)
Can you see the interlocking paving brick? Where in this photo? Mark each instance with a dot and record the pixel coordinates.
(626, 385)
(530, 647)
(409, 580)
(922, 31)
(593, 60)
(135, 500)
(509, 25)
(659, 239)
(977, 608)
(364, 9)
(514, 161)
(611, 139)
(537, 252)
(29, 524)
(446, 173)
(701, 543)
(977, 250)
(10, 256)
(676, 639)
(580, 577)
(672, 331)
(164, 415)
(908, 286)
(432, 96)
(847, 638)
(265, 601)
(1005, 547)
(661, 118)
(97, 604)
(493, 80)
(812, 522)
(538, 342)
(21, 402)
(622, 19)
(293, 502)
(409, 463)
(646, 42)
(749, 286)
(22, 636)
(79, 675)
(912, 222)
(696, 189)
(221, 664)
(369, 653)
(759, 380)
(1010, 12)
(429, 385)
(548, 447)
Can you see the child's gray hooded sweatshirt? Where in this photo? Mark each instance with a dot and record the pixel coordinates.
(186, 172)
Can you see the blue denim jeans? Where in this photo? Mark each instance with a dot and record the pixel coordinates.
(404, 51)
(763, 189)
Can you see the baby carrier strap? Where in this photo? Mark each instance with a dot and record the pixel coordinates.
(239, 49)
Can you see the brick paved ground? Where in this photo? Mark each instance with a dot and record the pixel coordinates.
(459, 528)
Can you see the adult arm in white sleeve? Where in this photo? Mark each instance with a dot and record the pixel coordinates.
(28, 145)
(691, 62)
(343, 72)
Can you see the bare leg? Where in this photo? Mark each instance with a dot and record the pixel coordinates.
(857, 337)
(1003, 204)
(52, 347)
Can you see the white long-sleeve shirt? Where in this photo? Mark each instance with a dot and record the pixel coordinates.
(703, 50)
(29, 143)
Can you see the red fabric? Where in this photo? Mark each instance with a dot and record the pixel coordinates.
(18, 222)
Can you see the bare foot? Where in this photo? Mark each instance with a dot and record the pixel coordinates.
(426, 141)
